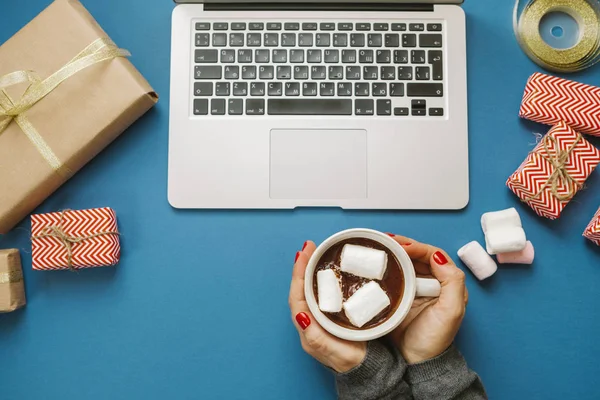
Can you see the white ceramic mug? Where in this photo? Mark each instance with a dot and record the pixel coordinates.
(413, 286)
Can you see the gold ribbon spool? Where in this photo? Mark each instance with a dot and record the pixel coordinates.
(582, 55)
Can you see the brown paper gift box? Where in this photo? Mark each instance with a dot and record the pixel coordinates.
(12, 289)
(77, 119)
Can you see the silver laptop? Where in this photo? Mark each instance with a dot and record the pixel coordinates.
(280, 104)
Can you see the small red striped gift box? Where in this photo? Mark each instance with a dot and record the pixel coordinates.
(592, 231)
(75, 239)
(554, 171)
(549, 100)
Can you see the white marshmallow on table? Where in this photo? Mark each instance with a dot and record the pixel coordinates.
(505, 240)
(478, 261)
(524, 256)
(500, 219)
(363, 261)
(329, 290)
(366, 303)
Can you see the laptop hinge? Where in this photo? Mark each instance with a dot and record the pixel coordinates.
(307, 6)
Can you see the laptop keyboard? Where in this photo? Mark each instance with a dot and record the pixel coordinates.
(386, 69)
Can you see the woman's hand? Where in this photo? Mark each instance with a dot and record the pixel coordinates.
(431, 325)
(337, 354)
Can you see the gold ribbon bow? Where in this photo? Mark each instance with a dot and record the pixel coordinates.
(558, 159)
(57, 231)
(100, 50)
(11, 277)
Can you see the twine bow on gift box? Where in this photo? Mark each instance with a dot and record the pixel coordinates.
(559, 160)
(68, 241)
(100, 50)
(11, 277)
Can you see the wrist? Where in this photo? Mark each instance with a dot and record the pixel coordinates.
(349, 361)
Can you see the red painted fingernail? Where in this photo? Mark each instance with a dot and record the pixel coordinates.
(304, 246)
(440, 258)
(407, 244)
(303, 320)
(297, 255)
(390, 234)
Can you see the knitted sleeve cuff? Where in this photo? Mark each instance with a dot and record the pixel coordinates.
(449, 361)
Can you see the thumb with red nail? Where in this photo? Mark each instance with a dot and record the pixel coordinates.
(337, 354)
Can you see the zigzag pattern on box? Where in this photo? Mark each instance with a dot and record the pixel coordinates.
(592, 231)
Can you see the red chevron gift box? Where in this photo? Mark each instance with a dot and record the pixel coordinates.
(554, 171)
(549, 100)
(75, 239)
(592, 231)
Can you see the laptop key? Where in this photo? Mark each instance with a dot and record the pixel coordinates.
(257, 89)
(228, 56)
(327, 26)
(357, 40)
(305, 39)
(370, 73)
(364, 107)
(256, 26)
(374, 40)
(249, 72)
(384, 56)
(401, 111)
(291, 26)
(388, 73)
(288, 39)
(336, 72)
(203, 89)
(396, 89)
(363, 26)
(348, 56)
(202, 39)
(365, 56)
(220, 26)
(296, 56)
(361, 89)
(353, 73)
(401, 56)
(275, 89)
(244, 56)
(240, 88)
(409, 40)
(202, 26)
(340, 39)
(206, 56)
(217, 106)
(200, 106)
(309, 26)
(238, 26)
(262, 56)
(284, 72)
(309, 89)
(344, 89)
(271, 39)
(345, 26)
(399, 27)
(392, 40)
(255, 107)
(207, 72)
(313, 56)
(434, 27)
(422, 89)
(219, 39)
(416, 27)
(430, 40)
(266, 72)
(253, 39)
(292, 89)
(327, 89)
(381, 27)
(274, 26)
(332, 56)
(323, 39)
(405, 73)
(318, 72)
(236, 106)
(437, 65)
(436, 112)
(422, 73)
(301, 72)
(384, 107)
(379, 89)
(309, 107)
(418, 103)
(417, 56)
(418, 112)
(232, 72)
(222, 88)
(279, 56)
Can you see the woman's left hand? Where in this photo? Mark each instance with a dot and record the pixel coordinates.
(337, 354)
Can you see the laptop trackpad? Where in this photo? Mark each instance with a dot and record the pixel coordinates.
(318, 164)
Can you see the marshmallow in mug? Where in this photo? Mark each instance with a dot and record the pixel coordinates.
(329, 289)
(478, 261)
(363, 261)
(366, 303)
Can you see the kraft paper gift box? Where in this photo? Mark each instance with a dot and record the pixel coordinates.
(554, 171)
(12, 289)
(68, 93)
(549, 100)
(75, 239)
(592, 232)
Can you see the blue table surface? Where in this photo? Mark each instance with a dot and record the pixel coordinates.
(198, 308)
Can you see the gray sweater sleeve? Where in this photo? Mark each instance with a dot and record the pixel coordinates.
(378, 377)
(445, 377)
(384, 375)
